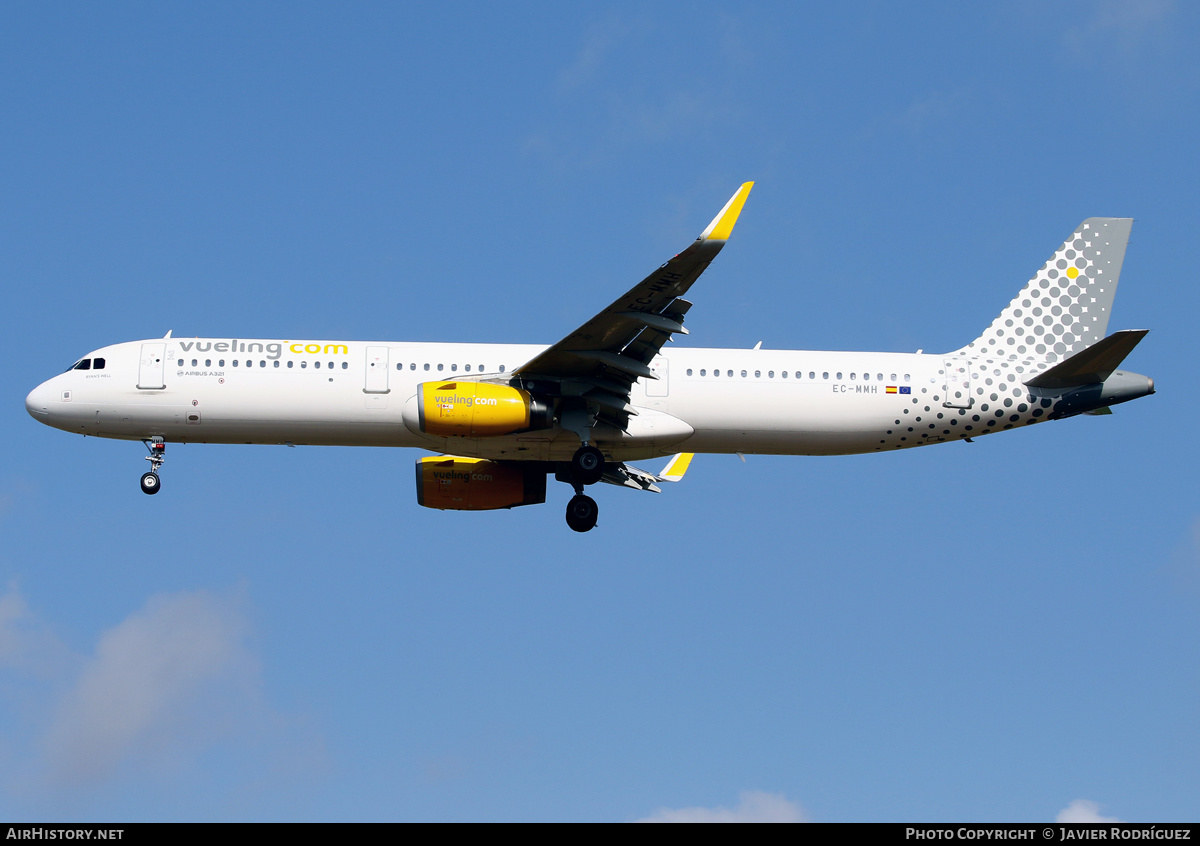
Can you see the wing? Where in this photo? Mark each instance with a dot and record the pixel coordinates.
(600, 361)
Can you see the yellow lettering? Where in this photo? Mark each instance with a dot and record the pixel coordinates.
(293, 348)
(312, 348)
(336, 349)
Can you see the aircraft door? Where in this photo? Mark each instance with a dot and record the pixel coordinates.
(957, 384)
(660, 386)
(377, 371)
(151, 367)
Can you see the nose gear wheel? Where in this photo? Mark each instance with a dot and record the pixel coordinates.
(150, 481)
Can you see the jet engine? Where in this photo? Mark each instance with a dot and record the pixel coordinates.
(472, 410)
(452, 483)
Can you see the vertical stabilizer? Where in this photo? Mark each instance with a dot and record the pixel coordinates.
(1064, 308)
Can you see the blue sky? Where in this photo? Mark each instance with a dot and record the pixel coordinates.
(1005, 630)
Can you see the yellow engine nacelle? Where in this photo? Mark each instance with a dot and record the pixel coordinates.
(473, 410)
(451, 483)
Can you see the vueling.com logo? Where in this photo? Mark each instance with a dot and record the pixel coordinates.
(455, 399)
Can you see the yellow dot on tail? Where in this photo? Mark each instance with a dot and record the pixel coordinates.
(1072, 272)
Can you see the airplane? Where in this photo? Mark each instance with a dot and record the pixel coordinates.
(502, 418)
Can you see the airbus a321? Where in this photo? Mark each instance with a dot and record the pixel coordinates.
(504, 417)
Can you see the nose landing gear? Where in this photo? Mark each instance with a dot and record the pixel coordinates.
(158, 449)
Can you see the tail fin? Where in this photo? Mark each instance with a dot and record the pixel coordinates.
(1064, 308)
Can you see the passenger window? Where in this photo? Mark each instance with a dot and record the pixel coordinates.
(262, 362)
(770, 374)
(221, 363)
(303, 365)
(412, 366)
(878, 377)
(689, 371)
(317, 365)
(812, 374)
(290, 363)
(783, 373)
(501, 368)
(481, 368)
(716, 372)
(906, 377)
(77, 367)
(208, 362)
(702, 372)
(235, 362)
(743, 374)
(839, 375)
(893, 378)
(426, 366)
(399, 366)
(467, 368)
(851, 375)
(276, 362)
(825, 375)
(729, 373)
(345, 365)
(453, 368)
(440, 367)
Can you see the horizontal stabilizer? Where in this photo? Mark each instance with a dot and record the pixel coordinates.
(1095, 364)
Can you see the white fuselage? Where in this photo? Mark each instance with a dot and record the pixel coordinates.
(706, 400)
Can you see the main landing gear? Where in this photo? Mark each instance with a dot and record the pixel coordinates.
(158, 449)
(581, 513)
(586, 468)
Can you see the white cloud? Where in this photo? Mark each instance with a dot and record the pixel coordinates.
(168, 691)
(1127, 24)
(754, 806)
(1083, 811)
(172, 675)
(25, 644)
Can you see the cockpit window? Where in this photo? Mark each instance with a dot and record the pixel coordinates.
(84, 364)
(97, 364)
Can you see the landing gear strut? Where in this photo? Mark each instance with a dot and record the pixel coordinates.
(158, 449)
(586, 468)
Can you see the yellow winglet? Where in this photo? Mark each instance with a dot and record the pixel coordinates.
(676, 467)
(722, 224)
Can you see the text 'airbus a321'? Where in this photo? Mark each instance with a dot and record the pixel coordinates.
(503, 417)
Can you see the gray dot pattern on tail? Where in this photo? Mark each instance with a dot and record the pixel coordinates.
(1065, 307)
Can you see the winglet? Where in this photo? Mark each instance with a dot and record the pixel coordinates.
(676, 467)
(722, 224)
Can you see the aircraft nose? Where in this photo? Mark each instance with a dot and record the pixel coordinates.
(38, 401)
